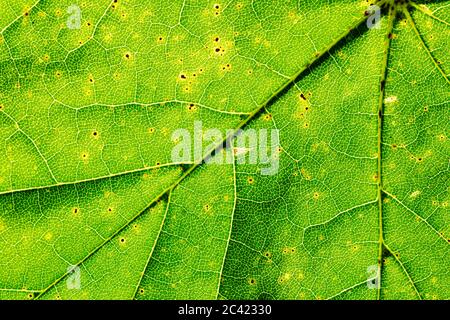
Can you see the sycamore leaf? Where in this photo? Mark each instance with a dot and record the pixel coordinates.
(351, 203)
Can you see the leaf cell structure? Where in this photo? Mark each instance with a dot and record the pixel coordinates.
(92, 205)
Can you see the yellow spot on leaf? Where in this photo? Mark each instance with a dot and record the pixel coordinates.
(415, 194)
(48, 236)
(391, 99)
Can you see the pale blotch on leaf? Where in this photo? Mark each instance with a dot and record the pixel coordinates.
(48, 236)
(415, 194)
(391, 99)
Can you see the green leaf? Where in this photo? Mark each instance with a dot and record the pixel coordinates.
(93, 204)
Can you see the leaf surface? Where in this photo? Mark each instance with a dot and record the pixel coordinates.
(88, 181)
